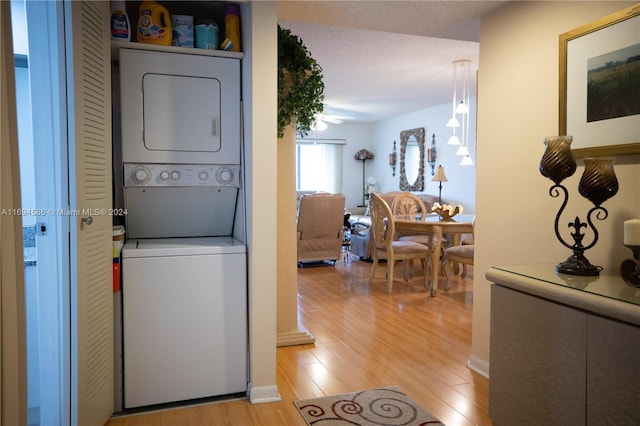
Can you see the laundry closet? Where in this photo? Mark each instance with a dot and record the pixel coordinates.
(179, 175)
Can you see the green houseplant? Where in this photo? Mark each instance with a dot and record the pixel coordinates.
(300, 85)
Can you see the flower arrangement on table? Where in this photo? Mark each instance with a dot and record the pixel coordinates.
(445, 211)
(372, 186)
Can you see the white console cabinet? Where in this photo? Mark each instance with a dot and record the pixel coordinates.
(565, 350)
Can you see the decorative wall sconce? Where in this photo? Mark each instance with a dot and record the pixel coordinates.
(598, 184)
(432, 154)
(364, 155)
(393, 159)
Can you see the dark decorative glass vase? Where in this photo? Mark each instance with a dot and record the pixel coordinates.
(598, 182)
(557, 162)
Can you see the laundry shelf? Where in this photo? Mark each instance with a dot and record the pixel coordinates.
(117, 45)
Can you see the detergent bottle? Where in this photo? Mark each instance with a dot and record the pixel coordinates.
(232, 29)
(120, 25)
(154, 24)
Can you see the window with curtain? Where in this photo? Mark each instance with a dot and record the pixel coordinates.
(319, 165)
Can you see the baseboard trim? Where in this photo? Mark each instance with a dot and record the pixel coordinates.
(478, 365)
(264, 394)
(295, 337)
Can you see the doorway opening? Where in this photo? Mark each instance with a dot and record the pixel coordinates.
(43, 169)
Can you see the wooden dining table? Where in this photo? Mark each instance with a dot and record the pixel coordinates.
(433, 225)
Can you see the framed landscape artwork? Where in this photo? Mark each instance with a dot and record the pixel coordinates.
(599, 85)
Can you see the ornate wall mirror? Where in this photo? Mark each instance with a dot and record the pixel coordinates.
(412, 159)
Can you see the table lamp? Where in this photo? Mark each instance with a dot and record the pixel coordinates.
(439, 177)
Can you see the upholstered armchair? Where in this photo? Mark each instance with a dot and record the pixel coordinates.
(320, 227)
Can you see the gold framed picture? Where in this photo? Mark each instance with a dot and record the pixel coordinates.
(600, 85)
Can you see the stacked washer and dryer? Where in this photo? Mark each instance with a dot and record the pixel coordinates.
(184, 297)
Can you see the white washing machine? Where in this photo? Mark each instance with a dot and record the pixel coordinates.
(184, 280)
(185, 322)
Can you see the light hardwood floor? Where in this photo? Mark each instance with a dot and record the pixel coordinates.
(365, 338)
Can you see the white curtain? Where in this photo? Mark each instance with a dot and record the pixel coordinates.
(13, 370)
(319, 166)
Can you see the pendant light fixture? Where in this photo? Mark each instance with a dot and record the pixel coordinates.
(460, 107)
(453, 122)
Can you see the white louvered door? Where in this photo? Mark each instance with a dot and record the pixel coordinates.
(89, 116)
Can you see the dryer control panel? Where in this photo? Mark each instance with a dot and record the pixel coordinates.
(138, 174)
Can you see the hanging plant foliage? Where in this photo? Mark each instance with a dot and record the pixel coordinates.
(300, 85)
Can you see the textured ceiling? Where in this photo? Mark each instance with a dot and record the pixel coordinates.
(382, 59)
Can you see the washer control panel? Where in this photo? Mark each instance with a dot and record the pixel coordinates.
(181, 175)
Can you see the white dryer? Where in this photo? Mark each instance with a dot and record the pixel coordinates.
(179, 108)
(181, 143)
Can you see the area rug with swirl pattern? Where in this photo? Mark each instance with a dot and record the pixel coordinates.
(385, 406)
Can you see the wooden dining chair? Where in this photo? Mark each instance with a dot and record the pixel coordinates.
(383, 229)
(407, 203)
(461, 254)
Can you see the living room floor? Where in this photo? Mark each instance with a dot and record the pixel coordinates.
(365, 338)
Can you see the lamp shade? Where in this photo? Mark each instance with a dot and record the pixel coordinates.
(363, 155)
(319, 125)
(462, 151)
(439, 175)
(462, 108)
(466, 161)
(453, 122)
(453, 140)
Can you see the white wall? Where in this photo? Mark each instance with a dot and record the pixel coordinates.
(460, 188)
(260, 91)
(517, 108)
